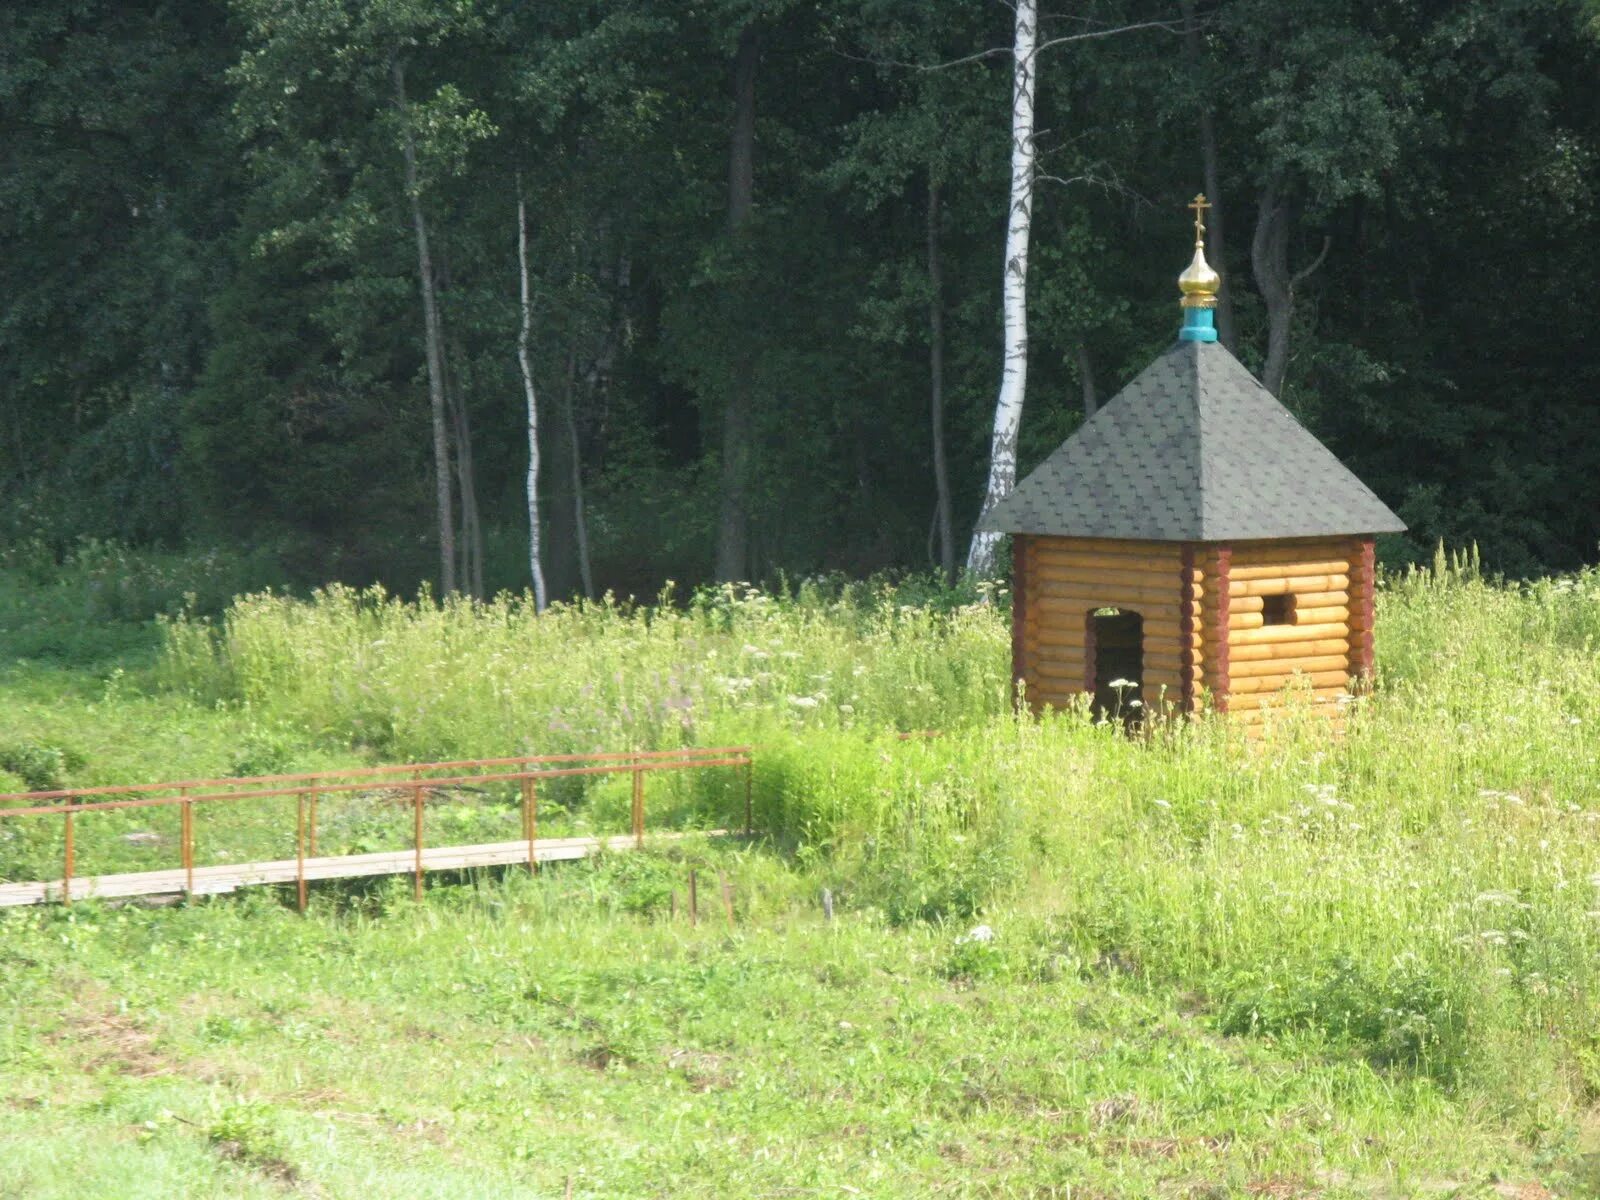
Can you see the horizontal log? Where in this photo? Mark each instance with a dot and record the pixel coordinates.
(1098, 565)
(1056, 636)
(1110, 595)
(1060, 611)
(1244, 604)
(1058, 678)
(1334, 599)
(1292, 550)
(1161, 655)
(1109, 546)
(1289, 649)
(1278, 666)
(1245, 620)
(1274, 683)
(1056, 664)
(1284, 633)
(1321, 616)
(1269, 571)
(1287, 585)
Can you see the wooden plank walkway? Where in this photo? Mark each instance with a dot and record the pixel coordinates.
(230, 877)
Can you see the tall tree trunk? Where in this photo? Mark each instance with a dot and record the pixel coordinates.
(1269, 261)
(1091, 396)
(471, 538)
(434, 342)
(733, 531)
(941, 471)
(982, 554)
(535, 545)
(1200, 99)
(580, 521)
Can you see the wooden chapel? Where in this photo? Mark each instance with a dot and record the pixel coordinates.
(1192, 539)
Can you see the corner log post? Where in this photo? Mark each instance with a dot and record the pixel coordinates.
(1188, 626)
(1021, 581)
(1362, 610)
(1216, 606)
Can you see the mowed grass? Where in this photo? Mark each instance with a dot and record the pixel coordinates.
(1307, 966)
(529, 1036)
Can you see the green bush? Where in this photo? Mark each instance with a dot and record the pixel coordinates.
(41, 768)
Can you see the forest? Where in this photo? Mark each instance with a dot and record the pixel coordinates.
(283, 279)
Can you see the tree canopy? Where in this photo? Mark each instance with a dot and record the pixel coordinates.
(209, 284)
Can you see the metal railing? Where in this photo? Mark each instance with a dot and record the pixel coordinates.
(308, 789)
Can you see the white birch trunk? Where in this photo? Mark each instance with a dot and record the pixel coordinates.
(535, 548)
(1014, 376)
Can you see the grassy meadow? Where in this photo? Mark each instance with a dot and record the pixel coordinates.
(1062, 961)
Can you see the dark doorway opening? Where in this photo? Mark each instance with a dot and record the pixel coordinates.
(1116, 664)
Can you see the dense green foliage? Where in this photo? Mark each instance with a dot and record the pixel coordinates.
(209, 289)
(1357, 966)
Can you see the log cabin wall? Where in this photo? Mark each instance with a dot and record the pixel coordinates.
(1289, 608)
(1060, 581)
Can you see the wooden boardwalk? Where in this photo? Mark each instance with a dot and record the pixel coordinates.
(230, 877)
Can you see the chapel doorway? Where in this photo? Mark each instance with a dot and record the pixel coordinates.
(1116, 664)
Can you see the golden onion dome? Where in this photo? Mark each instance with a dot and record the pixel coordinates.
(1199, 283)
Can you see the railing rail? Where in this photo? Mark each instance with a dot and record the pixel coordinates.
(309, 788)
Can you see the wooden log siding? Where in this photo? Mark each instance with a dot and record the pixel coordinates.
(1068, 579)
(1204, 609)
(1315, 650)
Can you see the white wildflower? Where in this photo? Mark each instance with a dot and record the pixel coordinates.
(1494, 898)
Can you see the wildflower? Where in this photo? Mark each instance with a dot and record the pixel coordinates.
(803, 701)
(1162, 803)
(978, 933)
(1494, 898)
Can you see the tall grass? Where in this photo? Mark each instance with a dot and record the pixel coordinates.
(423, 680)
(1425, 889)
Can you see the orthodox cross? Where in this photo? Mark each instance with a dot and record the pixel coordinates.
(1199, 204)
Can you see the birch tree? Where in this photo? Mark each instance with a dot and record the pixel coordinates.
(1019, 227)
(524, 330)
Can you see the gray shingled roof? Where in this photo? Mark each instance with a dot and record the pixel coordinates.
(1194, 449)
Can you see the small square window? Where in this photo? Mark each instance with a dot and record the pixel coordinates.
(1277, 610)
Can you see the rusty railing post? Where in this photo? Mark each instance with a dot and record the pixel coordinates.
(300, 851)
(694, 898)
(311, 832)
(638, 805)
(186, 842)
(67, 857)
(416, 806)
(530, 822)
(749, 782)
